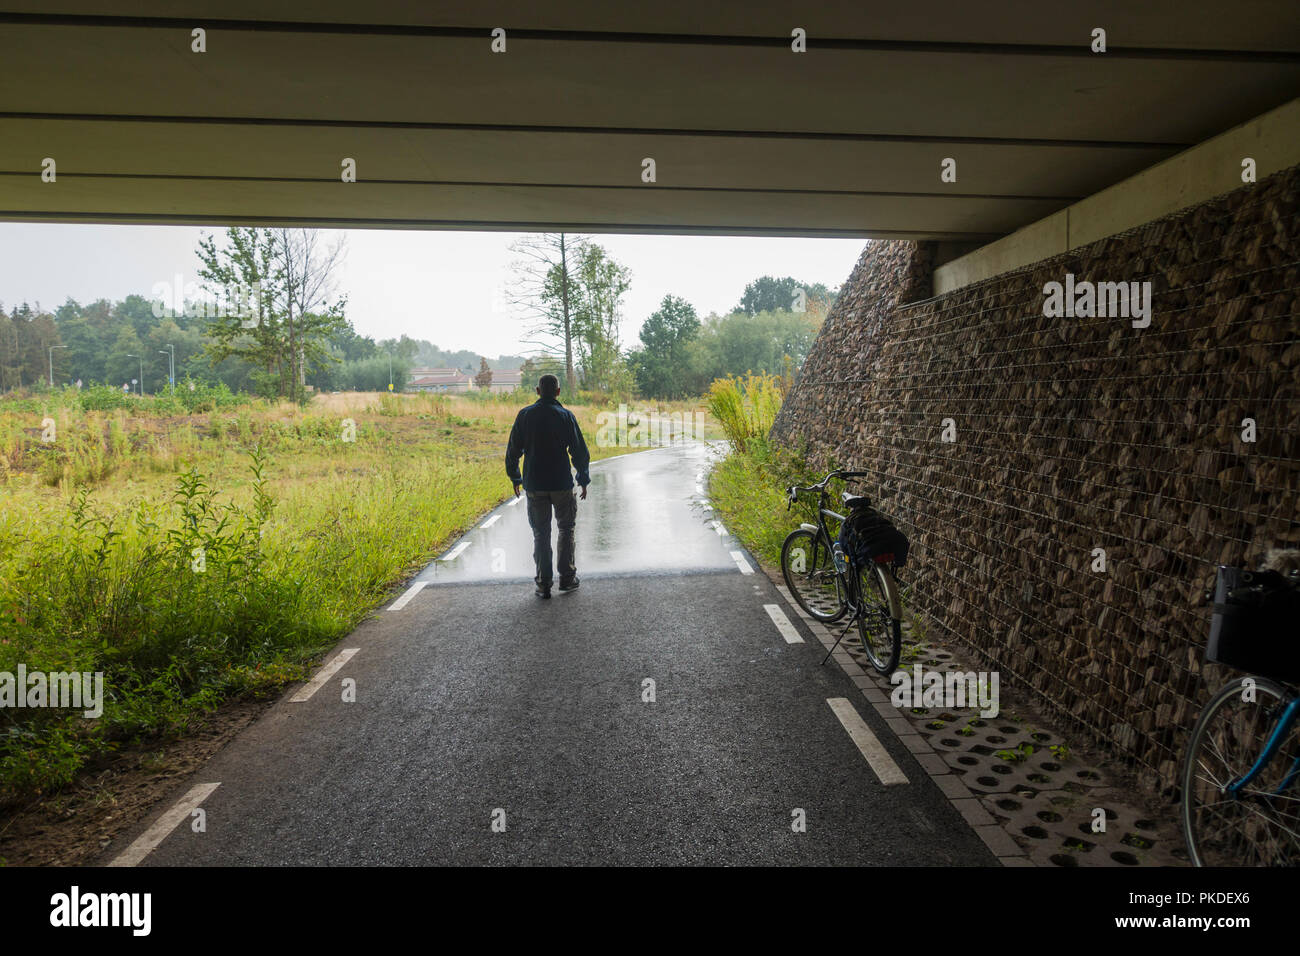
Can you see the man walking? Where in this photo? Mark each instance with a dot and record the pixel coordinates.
(547, 435)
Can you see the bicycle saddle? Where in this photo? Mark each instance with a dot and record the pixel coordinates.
(854, 501)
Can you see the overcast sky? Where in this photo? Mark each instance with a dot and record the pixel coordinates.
(440, 286)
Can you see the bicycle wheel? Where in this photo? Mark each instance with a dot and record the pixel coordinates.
(809, 571)
(882, 633)
(1260, 825)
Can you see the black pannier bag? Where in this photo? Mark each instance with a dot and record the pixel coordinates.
(867, 535)
(1255, 623)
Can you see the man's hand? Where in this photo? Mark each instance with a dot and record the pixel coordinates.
(516, 489)
(583, 496)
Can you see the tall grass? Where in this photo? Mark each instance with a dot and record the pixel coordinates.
(745, 406)
(748, 489)
(184, 602)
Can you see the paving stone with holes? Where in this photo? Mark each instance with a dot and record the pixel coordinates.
(1040, 797)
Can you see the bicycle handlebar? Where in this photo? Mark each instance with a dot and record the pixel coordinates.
(793, 491)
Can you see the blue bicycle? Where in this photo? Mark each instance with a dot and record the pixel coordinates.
(1240, 803)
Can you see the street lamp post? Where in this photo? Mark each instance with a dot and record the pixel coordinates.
(141, 358)
(52, 348)
(171, 365)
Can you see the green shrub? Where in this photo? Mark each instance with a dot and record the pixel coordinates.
(102, 398)
(745, 407)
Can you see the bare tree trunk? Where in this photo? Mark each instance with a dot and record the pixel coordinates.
(571, 380)
(293, 359)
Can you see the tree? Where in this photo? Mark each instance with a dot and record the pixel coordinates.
(484, 377)
(285, 280)
(25, 338)
(246, 261)
(543, 287)
(352, 346)
(86, 346)
(121, 366)
(768, 294)
(404, 348)
(661, 366)
(186, 343)
(600, 288)
(532, 369)
(738, 343)
(306, 277)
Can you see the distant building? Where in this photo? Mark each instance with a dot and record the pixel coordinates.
(440, 380)
(455, 380)
(505, 379)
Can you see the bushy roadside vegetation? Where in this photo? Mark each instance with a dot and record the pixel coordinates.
(748, 488)
(748, 485)
(193, 558)
(745, 407)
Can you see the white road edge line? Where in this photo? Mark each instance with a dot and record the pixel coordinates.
(491, 521)
(148, 841)
(514, 501)
(405, 599)
(718, 527)
(324, 674)
(783, 623)
(877, 756)
(782, 590)
(454, 553)
(741, 563)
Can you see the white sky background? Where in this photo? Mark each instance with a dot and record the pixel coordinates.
(440, 286)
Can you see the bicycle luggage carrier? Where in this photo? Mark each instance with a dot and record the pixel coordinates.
(1254, 628)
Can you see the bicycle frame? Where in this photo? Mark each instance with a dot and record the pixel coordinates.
(847, 579)
(822, 513)
(821, 525)
(1279, 734)
(822, 510)
(895, 602)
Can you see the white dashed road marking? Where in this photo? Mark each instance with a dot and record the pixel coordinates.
(783, 623)
(455, 552)
(881, 763)
(782, 590)
(405, 599)
(718, 527)
(148, 841)
(324, 674)
(491, 521)
(514, 501)
(741, 563)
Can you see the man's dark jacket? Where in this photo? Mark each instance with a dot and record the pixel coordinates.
(547, 434)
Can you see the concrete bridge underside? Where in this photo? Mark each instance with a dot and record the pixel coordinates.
(748, 137)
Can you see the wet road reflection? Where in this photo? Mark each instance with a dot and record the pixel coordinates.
(643, 514)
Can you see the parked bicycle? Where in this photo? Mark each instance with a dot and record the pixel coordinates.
(1239, 801)
(850, 573)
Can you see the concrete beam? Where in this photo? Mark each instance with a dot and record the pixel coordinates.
(1206, 170)
(846, 139)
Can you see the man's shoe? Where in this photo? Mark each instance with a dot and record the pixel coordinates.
(542, 592)
(569, 585)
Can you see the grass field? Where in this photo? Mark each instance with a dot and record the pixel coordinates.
(194, 551)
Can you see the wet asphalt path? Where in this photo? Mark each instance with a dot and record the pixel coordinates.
(477, 703)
